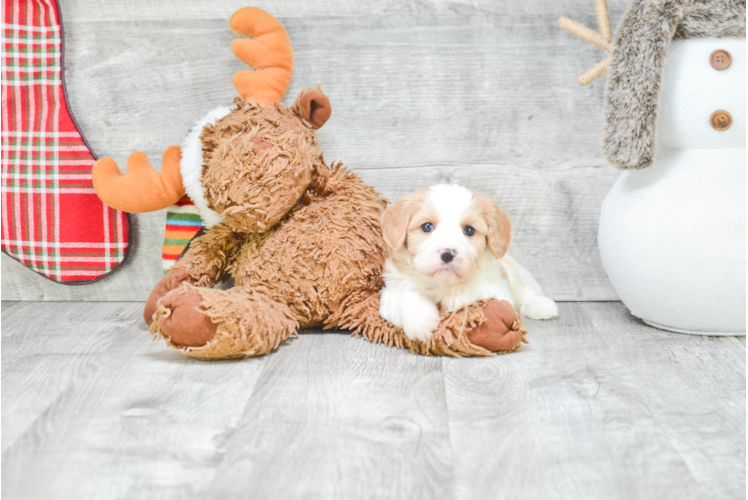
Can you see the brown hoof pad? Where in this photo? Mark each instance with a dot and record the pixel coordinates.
(166, 284)
(187, 324)
(496, 334)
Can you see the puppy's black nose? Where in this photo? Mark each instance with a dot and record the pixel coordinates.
(448, 255)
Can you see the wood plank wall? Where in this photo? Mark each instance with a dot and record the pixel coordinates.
(481, 92)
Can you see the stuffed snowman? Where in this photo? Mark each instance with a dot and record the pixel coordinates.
(672, 228)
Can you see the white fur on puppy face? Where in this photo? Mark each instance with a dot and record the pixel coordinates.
(417, 279)
(446, 208)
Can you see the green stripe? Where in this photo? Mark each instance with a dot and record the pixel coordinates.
(176, 242)
(183, 216)
(32, 78)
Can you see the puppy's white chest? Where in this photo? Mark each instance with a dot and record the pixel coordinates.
(435, 292)
(481, 289)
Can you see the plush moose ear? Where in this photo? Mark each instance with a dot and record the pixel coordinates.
(315, 107)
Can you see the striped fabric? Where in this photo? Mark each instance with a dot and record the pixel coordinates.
(183, 221)
(52, 220)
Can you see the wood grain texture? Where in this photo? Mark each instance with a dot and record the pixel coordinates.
(405, 90)
(695, 388)
(7, 305)
(139, 10)
(483, 92)
(94, 409)
(31, 339)
(598, 405)
(338, 418)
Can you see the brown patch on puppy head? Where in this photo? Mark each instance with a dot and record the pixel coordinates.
(396, 219)
(498, 227)
(313, 107)
(422, 213)
(258, 163)
(475, 217)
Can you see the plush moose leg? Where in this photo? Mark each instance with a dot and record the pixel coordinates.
(216, 324)
(479, 330)
(221, 324)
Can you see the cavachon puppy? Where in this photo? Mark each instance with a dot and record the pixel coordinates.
(448, 248)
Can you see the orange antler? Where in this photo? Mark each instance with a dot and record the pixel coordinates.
(601, 39)
(141, 189)
(269, 53)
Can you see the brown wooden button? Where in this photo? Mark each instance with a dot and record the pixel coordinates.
(720, 120)
(720, 59)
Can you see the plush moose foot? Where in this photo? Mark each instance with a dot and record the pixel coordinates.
(182, 319)
(222, 324)
(503, 329)
(168, 283)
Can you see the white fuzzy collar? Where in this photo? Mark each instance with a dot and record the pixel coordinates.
(191, 165)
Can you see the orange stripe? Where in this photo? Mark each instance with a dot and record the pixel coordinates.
(172, 250)
(179, 235)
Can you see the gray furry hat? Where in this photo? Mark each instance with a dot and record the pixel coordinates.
(635, 73)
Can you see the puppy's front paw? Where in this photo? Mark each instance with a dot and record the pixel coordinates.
(455, 300)
(420, 320)
(539, 307)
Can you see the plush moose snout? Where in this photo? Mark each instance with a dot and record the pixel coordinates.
(252, 182)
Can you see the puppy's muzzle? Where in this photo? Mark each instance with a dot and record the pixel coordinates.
(448, 255)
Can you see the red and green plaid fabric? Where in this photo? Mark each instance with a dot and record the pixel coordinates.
(52, 220)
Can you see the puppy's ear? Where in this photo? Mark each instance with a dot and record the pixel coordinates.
(396, 219)
(499, 226)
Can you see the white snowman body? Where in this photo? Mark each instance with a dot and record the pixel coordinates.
(672, 235)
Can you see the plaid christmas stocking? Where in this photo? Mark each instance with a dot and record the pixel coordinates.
(52, 220)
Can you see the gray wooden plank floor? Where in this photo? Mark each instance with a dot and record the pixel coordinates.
(597, 406)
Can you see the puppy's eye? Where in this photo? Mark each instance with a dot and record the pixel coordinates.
(469, 230)
(427, 227)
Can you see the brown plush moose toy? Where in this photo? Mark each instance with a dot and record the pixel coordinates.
(301, 239)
